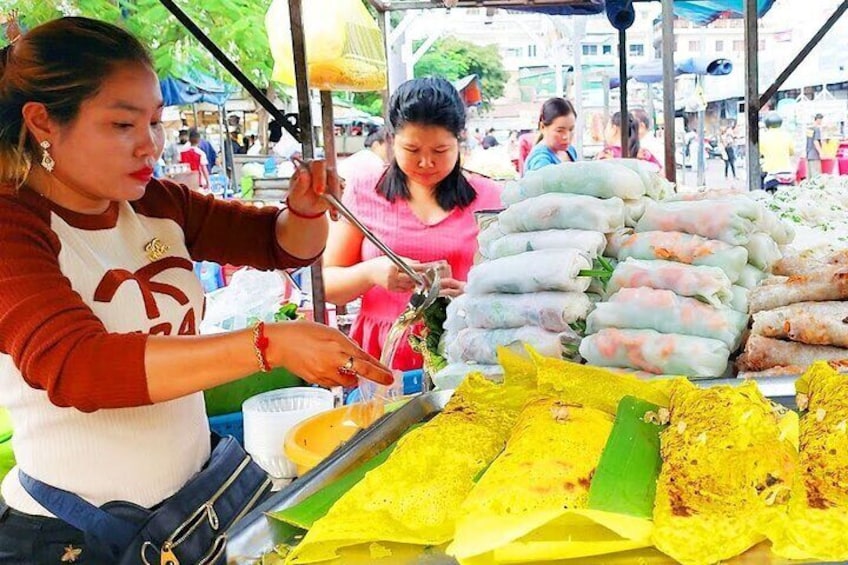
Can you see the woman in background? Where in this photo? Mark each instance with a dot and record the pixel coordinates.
(612, 149)
(556, 128)
(422, 206)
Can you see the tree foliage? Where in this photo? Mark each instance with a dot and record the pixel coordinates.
(454, 58)
(236, 26)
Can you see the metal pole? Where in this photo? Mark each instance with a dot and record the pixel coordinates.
(304, 108)
(622, 76)
(231, 67)
(225, 142)
(668, 88)
(579, 32)
(752, 93)
(790, 68)
(702, 113)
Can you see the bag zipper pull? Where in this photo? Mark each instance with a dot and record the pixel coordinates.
(212, 515)
(167, 556)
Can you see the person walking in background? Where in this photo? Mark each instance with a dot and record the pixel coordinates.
(366, 162)
(776, 147)
(814, 147)
(728, 144)
(191, 154)
(206, 147)
(553, 143)
(526, 142)
(490, 140)
(612, 149)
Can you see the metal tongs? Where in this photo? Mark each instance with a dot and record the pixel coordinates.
(428, 285)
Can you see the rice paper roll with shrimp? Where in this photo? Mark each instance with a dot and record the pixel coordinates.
(657, 353)
(814, 323)
(739, 300)
(751, 277)
(762, 353)
(679, 247)
(634, 210)
(534, 271)
(763, 251)
(591, 243)
(708, 284)
(815, 287)
(552, 311)
(563, 211)
(666, 312)
(657, 187)
(588, 178)
(474, 345)
(732, 221)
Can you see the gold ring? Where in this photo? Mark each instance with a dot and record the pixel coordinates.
(347, 369)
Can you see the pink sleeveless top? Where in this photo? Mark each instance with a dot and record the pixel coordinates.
(453, 239)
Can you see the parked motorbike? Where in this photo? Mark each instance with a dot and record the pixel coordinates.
(772, 182)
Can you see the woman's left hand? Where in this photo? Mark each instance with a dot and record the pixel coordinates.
(451, 287)
(310, 181)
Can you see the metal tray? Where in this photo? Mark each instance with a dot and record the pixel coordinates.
(253, 536)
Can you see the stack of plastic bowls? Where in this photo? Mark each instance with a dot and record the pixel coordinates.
(269, 416)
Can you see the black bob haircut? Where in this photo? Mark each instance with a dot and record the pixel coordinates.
(428, 102)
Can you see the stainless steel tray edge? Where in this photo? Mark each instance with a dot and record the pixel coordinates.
(253, 536)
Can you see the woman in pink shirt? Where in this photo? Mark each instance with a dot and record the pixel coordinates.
(612, 148)
(422, 206)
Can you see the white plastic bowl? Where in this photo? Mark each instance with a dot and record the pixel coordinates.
(269, 416)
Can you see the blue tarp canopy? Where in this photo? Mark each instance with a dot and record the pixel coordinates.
(703, 12)
(194, 87)
(700, 12)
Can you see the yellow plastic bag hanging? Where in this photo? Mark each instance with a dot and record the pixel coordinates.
(344, 46)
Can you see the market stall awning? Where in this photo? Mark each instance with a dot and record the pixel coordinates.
(703, 12)
(699, 11)
(470, 89)
(193, 87)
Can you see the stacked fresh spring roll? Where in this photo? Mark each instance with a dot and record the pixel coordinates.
(799, 317)
(678, 299)
(537, 258)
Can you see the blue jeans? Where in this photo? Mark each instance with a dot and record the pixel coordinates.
(37, 540)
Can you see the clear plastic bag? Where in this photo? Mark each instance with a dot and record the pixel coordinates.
(344, 46)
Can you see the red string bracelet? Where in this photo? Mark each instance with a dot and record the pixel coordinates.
(297, 214)
(260, 345)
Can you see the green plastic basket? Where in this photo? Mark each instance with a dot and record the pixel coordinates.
(228, 398)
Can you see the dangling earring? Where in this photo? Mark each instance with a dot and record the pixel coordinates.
(46, 160)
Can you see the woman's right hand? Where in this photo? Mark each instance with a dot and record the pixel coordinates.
(316, 353)
(386, 274)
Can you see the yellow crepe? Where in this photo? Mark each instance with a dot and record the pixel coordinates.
(816, 526)
(727, 473)
(530, 505)
(414, 497)
(592, 386)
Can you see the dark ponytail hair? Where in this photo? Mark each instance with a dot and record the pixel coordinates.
(60, 64)
(552, 109)
(428, 102)
(633, 145)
